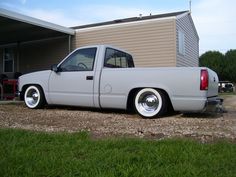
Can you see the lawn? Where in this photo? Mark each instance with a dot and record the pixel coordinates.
(26, 153)
(227, 93)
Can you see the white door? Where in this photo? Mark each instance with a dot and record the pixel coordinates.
(73, 83)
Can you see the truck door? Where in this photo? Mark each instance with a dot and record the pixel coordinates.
(73, 83)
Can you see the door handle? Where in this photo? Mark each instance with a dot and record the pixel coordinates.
(89, 77)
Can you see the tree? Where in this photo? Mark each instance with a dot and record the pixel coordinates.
(230, 63)
(223, 65)
(213, 60)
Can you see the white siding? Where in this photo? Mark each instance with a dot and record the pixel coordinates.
(191, 42)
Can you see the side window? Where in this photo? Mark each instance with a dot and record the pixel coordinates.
(80, 60)
(117, 59)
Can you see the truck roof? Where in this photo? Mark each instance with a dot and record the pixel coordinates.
(103, 46)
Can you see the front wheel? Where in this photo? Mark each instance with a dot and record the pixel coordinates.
(34, 97)
(150, 103)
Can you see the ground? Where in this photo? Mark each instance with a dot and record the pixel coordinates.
(106, 123)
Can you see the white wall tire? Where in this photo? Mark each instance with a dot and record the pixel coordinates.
(150, 103)
(34, 97)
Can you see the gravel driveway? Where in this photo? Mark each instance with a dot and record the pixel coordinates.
(204, 127)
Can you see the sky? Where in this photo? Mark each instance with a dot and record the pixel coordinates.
(215, 20)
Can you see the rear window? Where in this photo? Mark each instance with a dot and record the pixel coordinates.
(117, 59)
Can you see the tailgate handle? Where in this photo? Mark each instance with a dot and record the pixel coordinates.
(89, 77)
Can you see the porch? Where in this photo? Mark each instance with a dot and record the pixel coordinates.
(26, 45)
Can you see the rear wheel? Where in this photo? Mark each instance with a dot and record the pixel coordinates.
(150, 103)
(34, 97)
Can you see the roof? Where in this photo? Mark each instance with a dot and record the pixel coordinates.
(16, 27)
(132, 19)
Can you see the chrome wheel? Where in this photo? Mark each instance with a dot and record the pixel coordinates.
(148, 102)
(33, 97)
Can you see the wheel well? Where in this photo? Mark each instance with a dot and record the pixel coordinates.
(132, 93)
(24, 89)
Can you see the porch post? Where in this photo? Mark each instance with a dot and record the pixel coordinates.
(18, 57)
(69, 43)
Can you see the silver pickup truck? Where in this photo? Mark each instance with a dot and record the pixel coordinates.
(102, 76)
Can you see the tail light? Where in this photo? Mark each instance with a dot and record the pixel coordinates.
(204, 80)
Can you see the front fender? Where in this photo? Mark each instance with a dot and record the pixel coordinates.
(37, 78)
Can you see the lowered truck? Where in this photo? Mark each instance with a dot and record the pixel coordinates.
(102, 76)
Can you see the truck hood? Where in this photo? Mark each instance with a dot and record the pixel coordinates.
(35, 78)
(35, 74)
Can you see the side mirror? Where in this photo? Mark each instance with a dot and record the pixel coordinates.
(54, 68)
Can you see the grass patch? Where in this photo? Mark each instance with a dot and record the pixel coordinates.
(227, 93)
(24, 153)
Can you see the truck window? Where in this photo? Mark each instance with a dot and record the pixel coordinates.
(117, 59)
(80, 60)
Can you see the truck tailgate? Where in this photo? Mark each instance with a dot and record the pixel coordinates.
(212, 83)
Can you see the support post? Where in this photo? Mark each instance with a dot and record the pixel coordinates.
(18, 57)
(1, 87)
(69, 43)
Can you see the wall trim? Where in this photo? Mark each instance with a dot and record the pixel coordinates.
(125, 24)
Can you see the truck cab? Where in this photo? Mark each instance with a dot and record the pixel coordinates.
(82, 71)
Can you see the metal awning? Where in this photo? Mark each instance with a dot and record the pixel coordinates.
(15, 27)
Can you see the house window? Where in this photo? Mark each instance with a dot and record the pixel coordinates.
(181, 38)
(8, 60)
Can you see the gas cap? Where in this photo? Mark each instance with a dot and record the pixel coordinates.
(107, 88)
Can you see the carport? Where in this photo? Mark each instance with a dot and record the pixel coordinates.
(28, 44)
(17, 30)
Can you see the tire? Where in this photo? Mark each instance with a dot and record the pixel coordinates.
(150, 103)
(34, 97)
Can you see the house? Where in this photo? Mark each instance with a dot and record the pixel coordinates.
(156, 40)
(28, 44)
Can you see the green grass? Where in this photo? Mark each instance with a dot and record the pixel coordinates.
(227, 93)
(25, 153)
